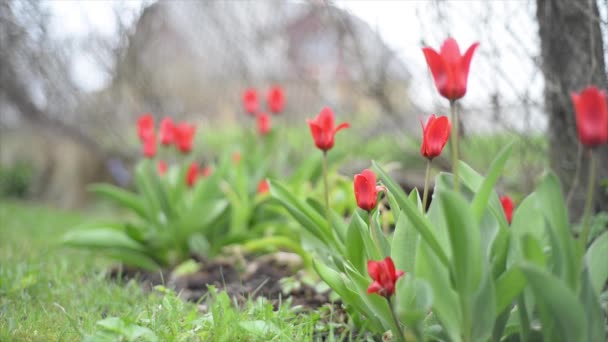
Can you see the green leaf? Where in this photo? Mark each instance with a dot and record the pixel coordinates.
(593, 310)
(508, 287)
(356, 252)
(562, 315)
(533, 251)
(419, 221)
(482, 196)
(465, 242)
(121, 197)
(404, 244)
(484, 309)
(597, 260)
(101, 238)
(414, 299)
(564, 254)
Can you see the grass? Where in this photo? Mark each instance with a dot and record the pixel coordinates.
(53, 294)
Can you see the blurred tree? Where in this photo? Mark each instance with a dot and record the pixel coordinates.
(572, 58)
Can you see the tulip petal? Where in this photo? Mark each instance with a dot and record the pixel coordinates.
(373, 268)
(450, 52)
(374, 287)
(466, 61)
(437, 66)
(325, 119)
(342, 126)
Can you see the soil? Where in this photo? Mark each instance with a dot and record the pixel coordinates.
(241, 277)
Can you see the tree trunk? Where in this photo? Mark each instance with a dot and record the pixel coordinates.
(572, 58)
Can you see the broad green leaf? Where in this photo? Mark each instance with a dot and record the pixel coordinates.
(337, 221)
(404, 244)
(121, 197)
(385, 247)
(465, 242)
(355, 250)
(414, 299)
(482, 196)
(508, 287)
(101, 238)
(597, 262)
(533, 251)
(551, 202)
(593, 309)
(562, 315)
(133, 258)
(484, 308)
(419, 221)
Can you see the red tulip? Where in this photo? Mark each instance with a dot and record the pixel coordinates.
(236, 158)
(384, 275)
(507, 206)
(263, 123)
(162, 167)
(276, 100)
(145, 126)
(166, 132)
(434, 136)
(450, 69)
(192, 174)
(206, 171)
(591, 116)
(149, 145)
(183, 135)
(366, 190)
(250, 101)
(263, 187)
(323, 130)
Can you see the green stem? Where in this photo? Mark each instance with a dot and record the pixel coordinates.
(524, 322)
(400, 333)
(370, 224)
(426, 185)
(327, 212)
(589, 203)
(454, 144)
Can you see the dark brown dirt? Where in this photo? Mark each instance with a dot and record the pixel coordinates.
(249, 278)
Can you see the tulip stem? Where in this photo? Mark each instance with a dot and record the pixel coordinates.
(327, 212)
(396, 320)
(370, 224)
(426, 185)
(454, 143)
(589, 203)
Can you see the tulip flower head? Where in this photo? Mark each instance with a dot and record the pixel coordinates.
(263, 187)
(323, 130)
(435, 135)
(276, 100)
(149, 145)
(145, 126)
(167, 132)
(192, 174)
(449, 68)
(591, 116)
(206, 171)
(366, 190)
(264, 125)
(250, 101)
(183, 135)
(236, 158)
(162, 167)
(507, 206)
(384, 275)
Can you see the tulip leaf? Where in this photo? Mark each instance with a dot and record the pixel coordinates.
(419, 221)
(508, 287)
(562, 315)
(121, 197)
(480, 201)
(591, 304)
(355, 252)
(551, 203)
(403, 247)
(597, 259)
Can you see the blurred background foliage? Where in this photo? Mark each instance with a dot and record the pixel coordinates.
(64, 126)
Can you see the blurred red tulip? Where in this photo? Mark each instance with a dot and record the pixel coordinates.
(183, 134)
(206, 171)
(166, 132)
(149, 145)
(162, 167)
(384, 275)
(591, 116)
(264, 125)
(263, 187)
(323, 130)
(145, 126)
(434, 136)
(236, 158)
(507, 206)
(192, 174)
(250, 101)
(366, 190)
(276, 100)
(450, 69)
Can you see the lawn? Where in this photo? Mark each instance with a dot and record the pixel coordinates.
(49, 293)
